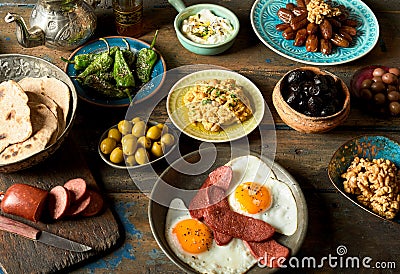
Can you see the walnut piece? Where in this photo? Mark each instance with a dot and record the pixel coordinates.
(376, 184)
(318, 9)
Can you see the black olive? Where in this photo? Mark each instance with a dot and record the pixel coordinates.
(314, 104)
(292, 99)
(294, 77)
(294, 88)
(314, 90)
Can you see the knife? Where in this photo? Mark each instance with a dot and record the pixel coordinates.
(45, 237)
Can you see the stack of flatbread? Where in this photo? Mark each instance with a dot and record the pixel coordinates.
(33, 114)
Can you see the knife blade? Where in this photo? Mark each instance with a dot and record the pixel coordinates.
(41, 236)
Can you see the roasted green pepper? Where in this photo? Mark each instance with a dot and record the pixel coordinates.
(101, 82)
(145, 61)
(81, 61)
(102, 62)
(129, 56)
(122, 74)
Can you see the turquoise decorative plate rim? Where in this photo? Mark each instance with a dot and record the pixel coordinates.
(157, 75)
(177, 112)
(264, 18)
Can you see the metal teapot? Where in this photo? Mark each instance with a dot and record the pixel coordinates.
(60, 24)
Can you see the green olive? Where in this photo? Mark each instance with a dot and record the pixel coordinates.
(157, 149)
(125, 127)
(129, 146)
(153, 133)
(139, 129)
(130, 160)
(135, 120)
(115, 134)
(141, 156)
(164, 128)
(117, 156)
(108, 145)
(143, 141)
(128, 138)
(168, 139)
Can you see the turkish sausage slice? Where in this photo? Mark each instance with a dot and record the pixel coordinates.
(95, 205)
(25, 201)
(237, 225)
(269, 253)
(77, 187)
(58, 202)
(79, 206)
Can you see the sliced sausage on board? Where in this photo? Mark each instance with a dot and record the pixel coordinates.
(25, 201)
(79, 206)
(77, 187)
(58, 202)
(95, 206)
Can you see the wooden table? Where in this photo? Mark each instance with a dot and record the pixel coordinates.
(333, 220)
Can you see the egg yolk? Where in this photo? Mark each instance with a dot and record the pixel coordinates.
(194, 236)
(253, 197)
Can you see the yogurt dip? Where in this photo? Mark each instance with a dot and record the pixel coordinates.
(206, 28)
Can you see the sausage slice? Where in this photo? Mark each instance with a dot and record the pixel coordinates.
(79, 206)
(269, 253)
(58, 202)
(77, 187)
(95, 205)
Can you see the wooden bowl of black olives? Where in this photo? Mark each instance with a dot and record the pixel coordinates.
(311, 100)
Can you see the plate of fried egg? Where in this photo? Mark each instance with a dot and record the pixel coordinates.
(215, 105)
(240, 214)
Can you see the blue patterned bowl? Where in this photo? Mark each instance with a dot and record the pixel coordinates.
(367, 146)
(264, 19)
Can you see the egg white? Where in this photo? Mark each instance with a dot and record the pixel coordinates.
(233, 258)
(282, 214)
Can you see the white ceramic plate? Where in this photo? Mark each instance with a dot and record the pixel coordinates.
(178, 112)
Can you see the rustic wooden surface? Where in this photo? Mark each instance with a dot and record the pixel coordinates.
(101, 232)
(333, 220)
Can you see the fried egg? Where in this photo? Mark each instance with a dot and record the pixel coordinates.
(256, 192)
(192, 241)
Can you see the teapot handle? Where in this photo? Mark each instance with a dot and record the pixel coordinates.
(177, 4)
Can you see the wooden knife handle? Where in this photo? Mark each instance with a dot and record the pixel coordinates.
(19, 228)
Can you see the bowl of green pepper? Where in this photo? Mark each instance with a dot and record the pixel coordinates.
(112, 71)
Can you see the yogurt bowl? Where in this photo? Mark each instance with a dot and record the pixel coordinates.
(197, 46)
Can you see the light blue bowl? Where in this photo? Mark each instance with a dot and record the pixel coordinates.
(213, 49)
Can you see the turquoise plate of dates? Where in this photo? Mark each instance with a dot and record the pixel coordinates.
(140, 92)
(368, 147)
(264, 19)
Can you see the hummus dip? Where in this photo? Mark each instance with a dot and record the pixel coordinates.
(206, 28)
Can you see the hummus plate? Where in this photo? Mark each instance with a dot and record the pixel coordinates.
(178, 112)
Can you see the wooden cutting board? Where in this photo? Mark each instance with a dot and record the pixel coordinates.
(21, 255)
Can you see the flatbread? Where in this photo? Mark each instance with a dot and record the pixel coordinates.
(55, 109)
(15, 118)
(44, 125)
(52, 87)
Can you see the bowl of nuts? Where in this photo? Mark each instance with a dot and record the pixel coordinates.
(135, 143)
(376, 88)
(366, 171)
(311, 100)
